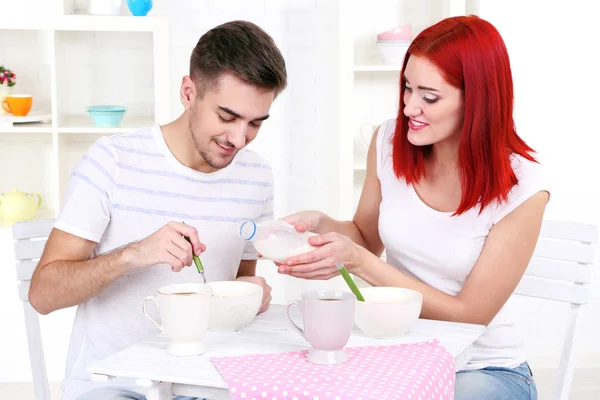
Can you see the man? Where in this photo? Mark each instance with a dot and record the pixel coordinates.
(121, 225)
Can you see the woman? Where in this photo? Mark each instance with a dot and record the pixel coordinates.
(454, 196)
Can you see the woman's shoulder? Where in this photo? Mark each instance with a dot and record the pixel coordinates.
(531, 179)
(384, 133)
(387, 128)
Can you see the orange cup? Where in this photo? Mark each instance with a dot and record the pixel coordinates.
(18, 104)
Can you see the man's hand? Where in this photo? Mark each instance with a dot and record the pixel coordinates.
(165, 246)
(259, 280)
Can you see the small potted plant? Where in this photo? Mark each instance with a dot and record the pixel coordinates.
(7, 81)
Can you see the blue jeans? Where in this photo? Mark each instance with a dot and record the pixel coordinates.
(116, 393)
(496, 383)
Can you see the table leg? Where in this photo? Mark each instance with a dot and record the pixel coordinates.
(160, 391)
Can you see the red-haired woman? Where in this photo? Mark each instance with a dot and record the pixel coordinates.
(455, 198)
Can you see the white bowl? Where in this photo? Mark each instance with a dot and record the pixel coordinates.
(387, 312)
(235, 305)
(392, 52)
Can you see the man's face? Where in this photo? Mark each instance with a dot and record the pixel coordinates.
(227, 119)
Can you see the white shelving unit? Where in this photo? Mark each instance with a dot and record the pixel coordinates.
(377, 68)
(69, 60)
(368, 87)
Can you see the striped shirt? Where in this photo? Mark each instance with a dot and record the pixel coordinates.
(123, 189)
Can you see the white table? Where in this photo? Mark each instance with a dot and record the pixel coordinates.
(164, 375)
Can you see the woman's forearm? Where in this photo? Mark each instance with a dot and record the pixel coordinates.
(351, 230)
(346, 228)
(437, 305)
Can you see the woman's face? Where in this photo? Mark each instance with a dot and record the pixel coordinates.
(434, 107)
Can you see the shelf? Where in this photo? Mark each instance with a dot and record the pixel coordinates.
(121, 23)
(79, 125)
(25, 164)
(42, 213)
(84, 125)
(377, 68)
(69, 61)
(104, 68)
(74, 22)
(35, 121)
(37, 127)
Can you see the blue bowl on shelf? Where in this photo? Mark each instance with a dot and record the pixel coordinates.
(106, 116)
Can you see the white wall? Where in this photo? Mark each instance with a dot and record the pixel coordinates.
(298, 137)
(556, 112)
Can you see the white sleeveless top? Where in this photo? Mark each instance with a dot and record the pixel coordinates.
(441, 250)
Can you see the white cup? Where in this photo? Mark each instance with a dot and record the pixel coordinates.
(184, 312)
(328, 317)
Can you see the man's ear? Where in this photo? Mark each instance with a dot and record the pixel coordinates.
(187, 92)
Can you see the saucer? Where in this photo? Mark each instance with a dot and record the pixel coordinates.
(32, 116)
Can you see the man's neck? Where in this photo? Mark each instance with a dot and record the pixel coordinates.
(180, 143)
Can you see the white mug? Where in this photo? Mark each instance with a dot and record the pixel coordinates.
(328, 317)
(184, 312)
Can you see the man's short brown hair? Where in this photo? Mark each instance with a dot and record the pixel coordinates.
(242, 49)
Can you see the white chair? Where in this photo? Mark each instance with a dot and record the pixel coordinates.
(30, 239)
(562, 269)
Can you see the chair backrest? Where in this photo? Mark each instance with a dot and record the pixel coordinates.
(562, 269)
(30, 239)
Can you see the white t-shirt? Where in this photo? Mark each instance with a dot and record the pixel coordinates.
(126, 187)
(441, 250)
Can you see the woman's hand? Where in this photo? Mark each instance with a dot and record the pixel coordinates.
(306, 221)
(321, 263)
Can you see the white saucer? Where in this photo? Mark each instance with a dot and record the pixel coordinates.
(32, 116)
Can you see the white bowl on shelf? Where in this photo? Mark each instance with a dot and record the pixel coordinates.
(392, 52)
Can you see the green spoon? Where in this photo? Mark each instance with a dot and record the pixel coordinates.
(197, 261)
(350, 282)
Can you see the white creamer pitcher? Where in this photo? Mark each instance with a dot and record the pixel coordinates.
(276, 240)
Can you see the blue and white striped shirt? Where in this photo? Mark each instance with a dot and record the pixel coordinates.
(125, 188)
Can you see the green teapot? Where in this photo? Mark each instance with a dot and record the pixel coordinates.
(18, 206)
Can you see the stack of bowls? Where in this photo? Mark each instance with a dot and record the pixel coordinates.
(106, 116)
(393, 44)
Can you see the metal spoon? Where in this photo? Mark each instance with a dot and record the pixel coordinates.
(199, 266)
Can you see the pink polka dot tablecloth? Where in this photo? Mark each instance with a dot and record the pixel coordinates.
(417, 371)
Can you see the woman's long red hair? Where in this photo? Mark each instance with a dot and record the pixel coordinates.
(471, 55)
